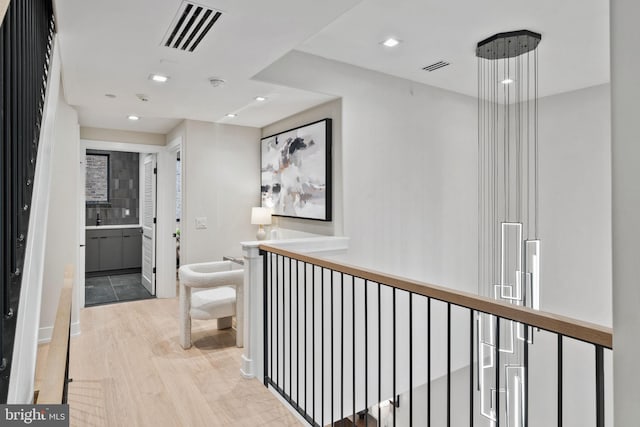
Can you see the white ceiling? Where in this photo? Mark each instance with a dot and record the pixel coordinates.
(573, 53)
(112, 47)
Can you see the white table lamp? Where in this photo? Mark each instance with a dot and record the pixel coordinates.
(260, 217)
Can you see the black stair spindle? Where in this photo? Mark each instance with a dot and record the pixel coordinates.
(410, 359)
(560, 382)
(265, 317)
(429, 362)
(366, 355)
(393, 326)
(322, 345)
(448, 365)
(471, 343)
(599, 386)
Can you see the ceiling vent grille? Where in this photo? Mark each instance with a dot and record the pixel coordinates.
(191, 23)
(436, 66)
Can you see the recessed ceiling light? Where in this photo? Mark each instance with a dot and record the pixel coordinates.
(260, 98)
(158, 78)
(133, 118)
(507, 81)
(231, 115)
(391, 42)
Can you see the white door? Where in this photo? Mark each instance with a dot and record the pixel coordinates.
(149, 224)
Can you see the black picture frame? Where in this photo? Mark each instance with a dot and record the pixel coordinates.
(295, 172)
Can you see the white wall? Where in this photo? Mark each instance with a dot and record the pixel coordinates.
(221, 172)
(331, 110)
(575, 204)
(62, 233)
(625, 93)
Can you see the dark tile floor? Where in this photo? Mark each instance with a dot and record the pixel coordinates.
(109, 289)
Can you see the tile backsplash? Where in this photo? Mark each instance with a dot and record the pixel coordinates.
(124, 191)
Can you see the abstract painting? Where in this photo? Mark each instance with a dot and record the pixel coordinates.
(296, 172)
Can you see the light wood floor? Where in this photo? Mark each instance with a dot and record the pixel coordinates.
(128, 369)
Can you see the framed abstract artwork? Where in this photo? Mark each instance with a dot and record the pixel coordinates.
(296, 172)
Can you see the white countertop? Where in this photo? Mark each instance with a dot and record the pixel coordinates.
(111, 227)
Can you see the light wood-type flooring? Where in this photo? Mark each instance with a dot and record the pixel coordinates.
(128, 369)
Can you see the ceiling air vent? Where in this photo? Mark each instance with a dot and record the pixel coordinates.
(190, 25)
(436, 66)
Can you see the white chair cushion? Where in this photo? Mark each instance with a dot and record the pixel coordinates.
(213, 303)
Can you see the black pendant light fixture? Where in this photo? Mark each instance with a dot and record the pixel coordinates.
(509, 246)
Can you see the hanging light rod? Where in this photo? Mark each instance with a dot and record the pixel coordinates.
(508, 45)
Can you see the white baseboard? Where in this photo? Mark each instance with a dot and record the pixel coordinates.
(44, 334)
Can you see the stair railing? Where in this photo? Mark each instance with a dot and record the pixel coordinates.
(342, 342)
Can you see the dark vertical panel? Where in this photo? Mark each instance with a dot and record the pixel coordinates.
(379, 351)
(25, 44)
(271, 312)
(313, 342)
(526, 376)
(560, 385)
(290, 334)
(3, 177)
(284, 327)
(353, 343)
(497, 358)
(429, 361)
(304, 301)
(265, 316)
(332, 353)
(599, 386)
(410, 359)
(342, 346)
(298, 331)
(448, 365)
(322, 345)
(471, 342)
(276, 329)
(393, 327)
(366, 355)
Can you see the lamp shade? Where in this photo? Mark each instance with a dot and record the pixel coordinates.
(260, 216)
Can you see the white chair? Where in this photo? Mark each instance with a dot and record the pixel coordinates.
(216, 290)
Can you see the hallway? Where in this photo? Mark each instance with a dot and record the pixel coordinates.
(129, 369)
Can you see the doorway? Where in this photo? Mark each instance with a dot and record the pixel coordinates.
(119, 226)
(163, 287)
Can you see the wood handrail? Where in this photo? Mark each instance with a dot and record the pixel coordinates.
(55, 374)
(580, 330)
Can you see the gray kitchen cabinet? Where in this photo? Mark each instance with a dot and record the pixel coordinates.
(131, 248)
(92, 252)
(113, 249)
